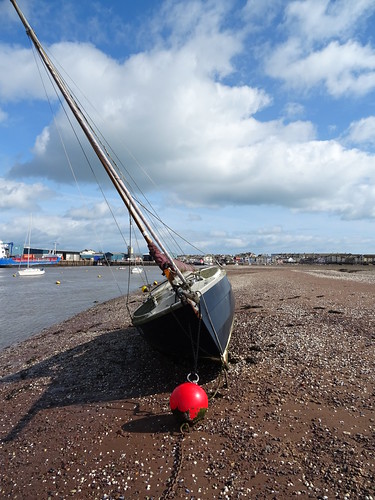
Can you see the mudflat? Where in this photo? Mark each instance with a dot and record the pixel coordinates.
(85, 404)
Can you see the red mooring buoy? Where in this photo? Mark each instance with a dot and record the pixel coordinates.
(188, 402)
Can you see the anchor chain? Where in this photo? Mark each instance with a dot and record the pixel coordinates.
(177, 464)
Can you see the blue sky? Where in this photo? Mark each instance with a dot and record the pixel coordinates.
(254, 122)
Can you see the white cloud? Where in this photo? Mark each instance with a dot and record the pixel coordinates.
(293, 110)
(22, 196)
(89, 212)
(318, 20)
(362, 131)
(319, 46)
(3, 115)
(344, 69)
(185, 126)
(164, 106)
(25, 82)
(41, 142)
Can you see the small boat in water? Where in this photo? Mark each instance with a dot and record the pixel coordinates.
(191, 313)
(31, 271)
(136, 270)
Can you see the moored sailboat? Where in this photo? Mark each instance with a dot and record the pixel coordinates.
(136, 270)
(192, 310)
(30, 271)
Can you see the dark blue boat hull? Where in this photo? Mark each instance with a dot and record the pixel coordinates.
(180, 333)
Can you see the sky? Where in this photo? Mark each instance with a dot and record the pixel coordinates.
(249, 125)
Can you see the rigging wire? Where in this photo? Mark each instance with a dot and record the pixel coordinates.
(160, 226)
(116, 161)
(83, 152)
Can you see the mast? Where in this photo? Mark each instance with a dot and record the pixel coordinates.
(28, 250)
(138, 217)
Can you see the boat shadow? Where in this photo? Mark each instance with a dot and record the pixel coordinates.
(114, 366)
(151, 424)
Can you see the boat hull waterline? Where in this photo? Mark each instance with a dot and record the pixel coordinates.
(174, 328)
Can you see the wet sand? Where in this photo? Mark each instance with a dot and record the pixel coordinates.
(85, 404)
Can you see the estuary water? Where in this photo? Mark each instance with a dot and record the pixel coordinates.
(29, 304)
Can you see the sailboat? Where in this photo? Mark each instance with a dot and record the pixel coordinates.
(191, 313)
(30, 271)
(136, 270)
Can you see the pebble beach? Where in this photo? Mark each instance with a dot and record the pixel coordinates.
(85, 404)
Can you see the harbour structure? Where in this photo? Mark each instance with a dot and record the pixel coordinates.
(28, 257)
